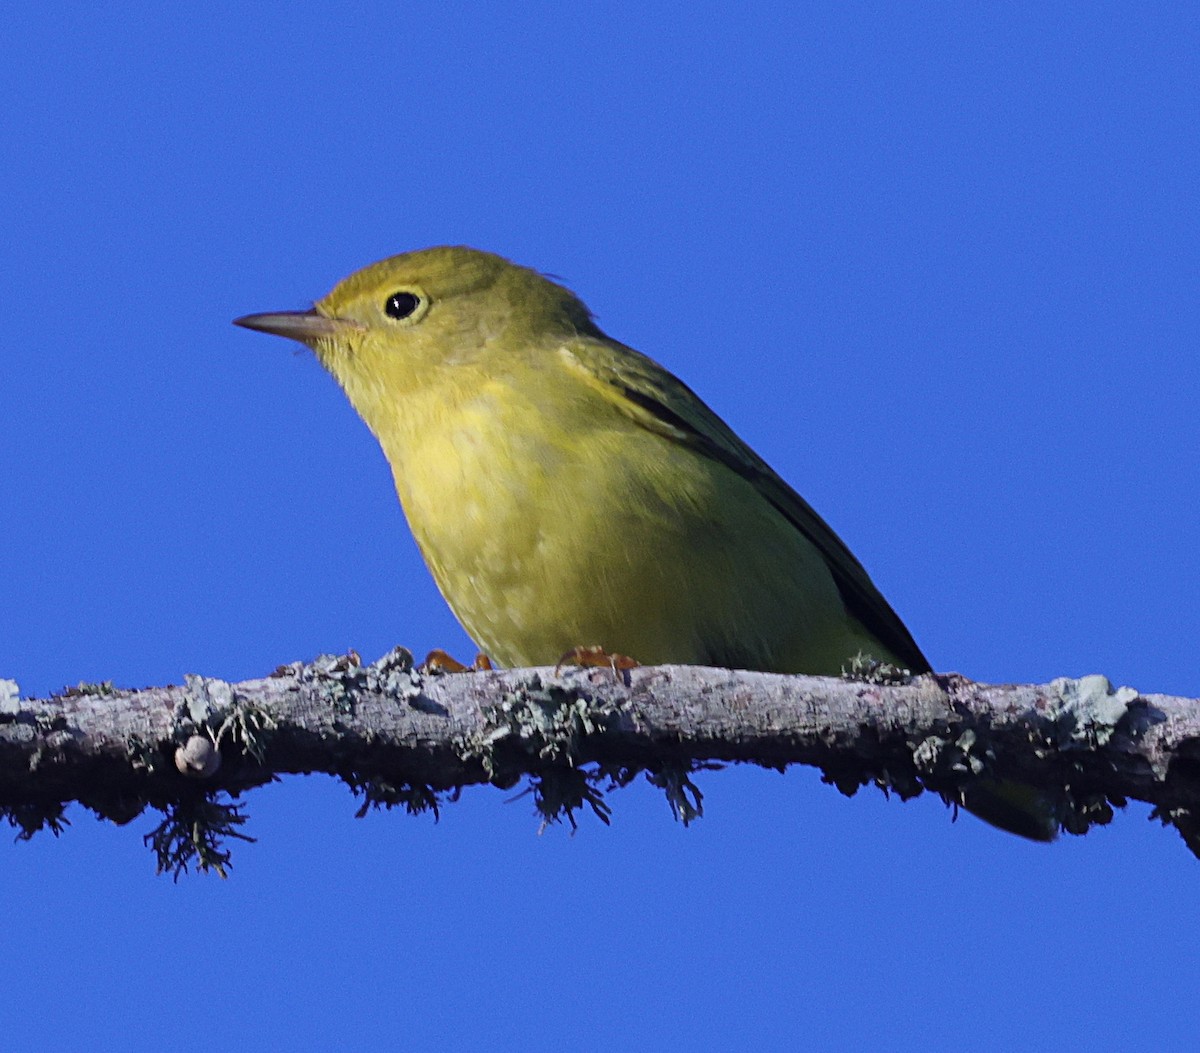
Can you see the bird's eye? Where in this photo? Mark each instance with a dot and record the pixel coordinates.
(401, 304)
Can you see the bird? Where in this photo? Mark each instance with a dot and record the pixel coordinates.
(569, 493)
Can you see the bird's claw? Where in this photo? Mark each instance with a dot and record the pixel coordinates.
(439, 661)
(595, 657)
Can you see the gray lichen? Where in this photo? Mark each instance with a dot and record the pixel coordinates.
(540, 729)
(338, 679)
(683, 796)
(380, 793)
(216, 708)
(870, 670)
(10, 698)
(32, 818)
(194, 832)
(1089, 710)
(544, 722)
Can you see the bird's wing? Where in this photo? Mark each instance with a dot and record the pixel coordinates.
(662, 403)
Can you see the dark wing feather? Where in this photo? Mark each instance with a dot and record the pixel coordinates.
(661, 402)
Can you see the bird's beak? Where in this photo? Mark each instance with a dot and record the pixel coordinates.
(306, 326)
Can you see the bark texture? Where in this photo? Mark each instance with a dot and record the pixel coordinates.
(402, 738)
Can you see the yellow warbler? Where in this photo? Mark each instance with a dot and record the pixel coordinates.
(566, 490)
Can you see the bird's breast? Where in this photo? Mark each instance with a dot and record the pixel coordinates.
(552, 525)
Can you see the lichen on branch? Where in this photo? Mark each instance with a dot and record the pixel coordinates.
(399, 737)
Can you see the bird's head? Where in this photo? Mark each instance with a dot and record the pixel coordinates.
(429, 309)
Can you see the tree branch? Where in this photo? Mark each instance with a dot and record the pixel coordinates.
(402, 738)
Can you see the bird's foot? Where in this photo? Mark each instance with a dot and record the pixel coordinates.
(596, 657)
(438, 661)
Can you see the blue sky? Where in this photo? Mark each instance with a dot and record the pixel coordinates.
(937, 265)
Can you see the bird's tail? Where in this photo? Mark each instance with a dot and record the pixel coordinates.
(1013, 806)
